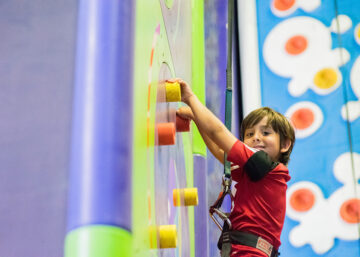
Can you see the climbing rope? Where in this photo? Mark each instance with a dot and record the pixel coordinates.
(345, 99)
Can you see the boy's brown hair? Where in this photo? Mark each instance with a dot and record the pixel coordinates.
(278, 122)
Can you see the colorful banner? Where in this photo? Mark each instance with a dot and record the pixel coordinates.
(309, 68)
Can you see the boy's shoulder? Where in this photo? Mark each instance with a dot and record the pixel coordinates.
(281, 170)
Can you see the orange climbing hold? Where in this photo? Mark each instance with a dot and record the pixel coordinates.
(182, 125)
(303, 118)
(166, 133)
(296, 45)
(350, 211)
(302, 200)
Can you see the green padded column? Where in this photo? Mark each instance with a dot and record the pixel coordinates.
(198, 64)
(198, 87)
(98, 241)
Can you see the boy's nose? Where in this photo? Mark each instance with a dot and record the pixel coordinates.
(256, 137)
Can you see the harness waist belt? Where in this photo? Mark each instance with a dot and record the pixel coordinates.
(248, 239)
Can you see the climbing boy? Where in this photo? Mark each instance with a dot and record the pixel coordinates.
(258, 167)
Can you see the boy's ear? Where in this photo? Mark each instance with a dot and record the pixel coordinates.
(285, 145)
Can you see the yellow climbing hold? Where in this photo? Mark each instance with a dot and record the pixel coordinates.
(185, 197)
(168, 236)
(173, 92)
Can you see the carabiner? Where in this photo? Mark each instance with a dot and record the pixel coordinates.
(222, 215)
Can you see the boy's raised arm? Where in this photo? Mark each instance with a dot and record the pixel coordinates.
(185, 112)
(206, 120)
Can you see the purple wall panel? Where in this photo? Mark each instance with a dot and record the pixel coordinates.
(36, 80)
(215, 44)
(100, 172)
(202, 210)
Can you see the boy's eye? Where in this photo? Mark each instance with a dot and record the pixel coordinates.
(250, 134)
(268, 131)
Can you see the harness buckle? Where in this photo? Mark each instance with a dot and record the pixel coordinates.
(264, 246)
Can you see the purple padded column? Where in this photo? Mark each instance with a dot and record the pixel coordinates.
(202, 210)
(100, 172)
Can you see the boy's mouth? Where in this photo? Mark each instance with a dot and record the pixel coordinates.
(260, 147)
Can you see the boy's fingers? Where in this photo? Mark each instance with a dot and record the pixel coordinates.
(185, 112)
(180, 81)
(173, 80)
(180, 112)
(181, 115)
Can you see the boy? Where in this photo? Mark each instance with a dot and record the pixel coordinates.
(258, 167)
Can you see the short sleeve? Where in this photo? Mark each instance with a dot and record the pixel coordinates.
(240, 153)
(255, 163)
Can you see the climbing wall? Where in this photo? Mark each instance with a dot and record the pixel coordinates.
(307, 68)
(163, 156)
(84, 169)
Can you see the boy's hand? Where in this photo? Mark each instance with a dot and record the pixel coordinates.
(186, 91)
(185, 112)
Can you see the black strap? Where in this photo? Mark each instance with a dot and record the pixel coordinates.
(241, 238)
(258, 165)
(225, 241)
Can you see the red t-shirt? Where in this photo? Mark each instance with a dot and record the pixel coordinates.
(259, 207)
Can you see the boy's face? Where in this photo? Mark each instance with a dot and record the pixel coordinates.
(262, 137)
